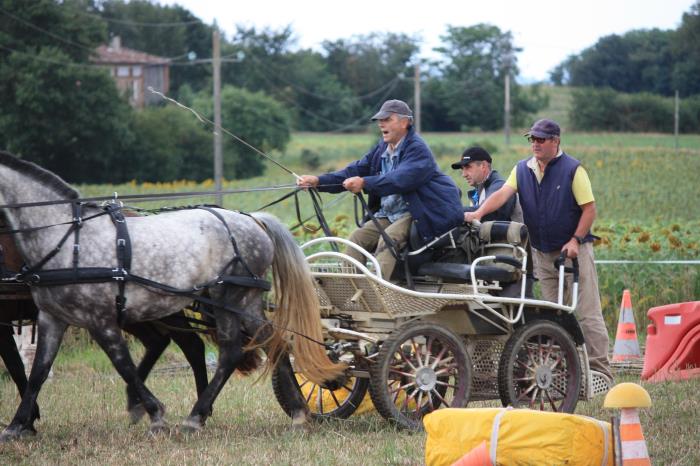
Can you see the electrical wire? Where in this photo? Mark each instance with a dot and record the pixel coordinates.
(44, 31)
(127, 22)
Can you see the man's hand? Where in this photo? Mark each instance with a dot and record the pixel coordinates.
(307, 181)
(571, 248)
(354, 184)
(469, 216)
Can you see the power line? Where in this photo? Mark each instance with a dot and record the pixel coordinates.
(44, 31)
(33, 56)
(127, 22)
(67, 41)
(303, 90)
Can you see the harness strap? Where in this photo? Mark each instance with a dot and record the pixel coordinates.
(237, 257)
(77, 218)
(123, 256)
(30, 270)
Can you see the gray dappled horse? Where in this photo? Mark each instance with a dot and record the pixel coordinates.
(181, 249)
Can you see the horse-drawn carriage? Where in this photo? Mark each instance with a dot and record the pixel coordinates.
(457, 323)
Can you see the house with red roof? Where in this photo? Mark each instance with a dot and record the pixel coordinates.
(135, 71)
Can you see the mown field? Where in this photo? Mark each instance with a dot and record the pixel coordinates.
(647, 206)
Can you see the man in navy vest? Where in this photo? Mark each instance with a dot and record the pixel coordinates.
(404, 184)
(559, 210)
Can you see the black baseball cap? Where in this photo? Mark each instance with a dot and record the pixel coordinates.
(472, 154)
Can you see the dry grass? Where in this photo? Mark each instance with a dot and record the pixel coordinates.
(85, 423)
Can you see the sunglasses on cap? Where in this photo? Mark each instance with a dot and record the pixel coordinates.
(533, 139)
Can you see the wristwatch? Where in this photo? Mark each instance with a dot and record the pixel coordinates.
(579, 239)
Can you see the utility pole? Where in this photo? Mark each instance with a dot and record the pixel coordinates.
(676, 119)
(416, 96)
(218, 152)
(506, 105)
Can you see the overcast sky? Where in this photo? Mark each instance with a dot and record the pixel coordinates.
(547, 30)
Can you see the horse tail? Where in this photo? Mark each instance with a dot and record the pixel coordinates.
(297, 308)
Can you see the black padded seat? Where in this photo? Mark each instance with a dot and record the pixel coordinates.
(461, 273)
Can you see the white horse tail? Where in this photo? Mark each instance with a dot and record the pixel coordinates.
(297, 308)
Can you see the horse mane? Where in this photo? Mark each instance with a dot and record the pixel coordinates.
(41, 175)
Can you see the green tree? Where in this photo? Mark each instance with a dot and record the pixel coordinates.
(264, 61)
(169, 144)
(687, 53)
(638, 61)
(69, 119)
(254, 117)
(467, 89)
(374, 66)
(57, 109)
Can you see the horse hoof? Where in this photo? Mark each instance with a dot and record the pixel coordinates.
(136, 413)
(159, 427)
(190, 426)
(300, 421)
(9, 435)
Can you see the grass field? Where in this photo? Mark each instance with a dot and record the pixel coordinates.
(647, 204)
(85, 423)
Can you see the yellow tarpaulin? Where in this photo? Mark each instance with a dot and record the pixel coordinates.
(517, 437)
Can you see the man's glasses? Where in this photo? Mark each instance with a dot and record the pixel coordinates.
(532, 139)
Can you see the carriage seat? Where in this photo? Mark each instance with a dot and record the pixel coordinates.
(492, 237)
(461, 273)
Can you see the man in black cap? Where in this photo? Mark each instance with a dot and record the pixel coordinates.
(559, 210)
(404, 184)
(476, 169)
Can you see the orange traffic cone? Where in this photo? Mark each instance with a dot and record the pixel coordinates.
(629, 397)
(478, 456)
(626, 344)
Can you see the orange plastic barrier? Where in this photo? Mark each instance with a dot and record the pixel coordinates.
(673, 342)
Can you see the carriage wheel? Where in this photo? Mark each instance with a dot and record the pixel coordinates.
(420, 368)
(540, 369)
(338, 401)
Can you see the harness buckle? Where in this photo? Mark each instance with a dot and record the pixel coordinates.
(78, 221)
(121, 242)
(76, 247)
(119, 274)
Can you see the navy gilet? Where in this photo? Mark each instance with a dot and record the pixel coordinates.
(549, 208)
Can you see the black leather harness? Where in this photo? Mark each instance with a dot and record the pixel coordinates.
(34, 275)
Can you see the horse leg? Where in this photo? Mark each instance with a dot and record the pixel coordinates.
(155, 343)
(230, 355)
(13, 362)
(109, 337)
(51, 331)
(193, 348)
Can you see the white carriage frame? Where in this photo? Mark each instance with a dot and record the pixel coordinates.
(346, 286)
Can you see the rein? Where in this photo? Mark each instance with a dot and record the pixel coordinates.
(144, 197)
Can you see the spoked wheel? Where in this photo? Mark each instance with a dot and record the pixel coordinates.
(337, 401)
(420, 368)
(540, 369)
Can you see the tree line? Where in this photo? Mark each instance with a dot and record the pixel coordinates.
(64, 112)
(643, 60)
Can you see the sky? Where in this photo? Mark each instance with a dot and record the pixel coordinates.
(548, 31)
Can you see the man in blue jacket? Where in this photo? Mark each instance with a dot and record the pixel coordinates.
(404, 184)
